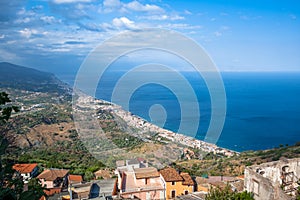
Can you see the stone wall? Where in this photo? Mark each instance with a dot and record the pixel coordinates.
(266, 180)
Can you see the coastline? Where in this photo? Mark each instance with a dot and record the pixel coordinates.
(145, 127)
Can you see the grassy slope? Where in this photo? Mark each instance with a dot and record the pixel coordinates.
(234, 166)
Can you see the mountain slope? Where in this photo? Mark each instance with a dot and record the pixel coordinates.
(23, 78)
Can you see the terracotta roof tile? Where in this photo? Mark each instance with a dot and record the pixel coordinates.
(147, 172)
(52, 174)
(24, 168)
(187, 179)
(75, 178)
(170, 174)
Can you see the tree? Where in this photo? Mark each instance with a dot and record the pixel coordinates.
(298, 191)
(5, 173)
(13, 187)
(35, 191)
(5, 111)
(227, 194)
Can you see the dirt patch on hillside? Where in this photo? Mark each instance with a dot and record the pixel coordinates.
(44, 135)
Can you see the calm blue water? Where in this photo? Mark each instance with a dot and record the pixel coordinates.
(263, 109)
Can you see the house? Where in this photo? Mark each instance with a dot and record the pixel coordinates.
(54, 180)
(81, 191)
(132, 163)
(141, 183)
(176, 184)
(75, 179)
(129, 165)
(273, 180)
(103, 174)
(27, 171)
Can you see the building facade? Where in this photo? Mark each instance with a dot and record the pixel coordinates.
(175, 183)
(142, 183)
(27, 171)
(273, 180)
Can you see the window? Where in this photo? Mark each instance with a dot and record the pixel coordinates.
(173, 194)
(173, 182)
(186, 192)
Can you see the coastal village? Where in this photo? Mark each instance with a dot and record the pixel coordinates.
(149, 100)
(135, 178)
(145, 127)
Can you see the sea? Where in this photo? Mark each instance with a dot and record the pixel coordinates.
(262, 108)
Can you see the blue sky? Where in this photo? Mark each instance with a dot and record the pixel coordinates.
(56, 35)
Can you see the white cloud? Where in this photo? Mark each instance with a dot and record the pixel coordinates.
(124, 22)
(117, 5)
(71, 1)
(8, 56)
(23, 20)
(187, 12)
(180, 26)
(48, 19)
(163, 17)
(136, 6)
(2, 36)
(26, 32)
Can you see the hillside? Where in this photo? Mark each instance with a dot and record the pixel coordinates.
(23, 78)
(44, 132)
(233, 166)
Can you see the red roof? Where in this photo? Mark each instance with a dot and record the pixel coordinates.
(187, 179)
(52, 174)
(52, 191)
(170, 174)
(25, 168)
(75, 178)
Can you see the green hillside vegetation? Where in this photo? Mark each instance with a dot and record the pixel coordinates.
(23, 78)
(43, 132)
(233, 166)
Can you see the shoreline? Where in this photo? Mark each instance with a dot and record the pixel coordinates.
(146, 127)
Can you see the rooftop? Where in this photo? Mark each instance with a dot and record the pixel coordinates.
(187, 179)
(170, 175)
(52, 174)
(75, 178)
(132, 162)
(24, 168)
(213, 179)
(147, 172)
